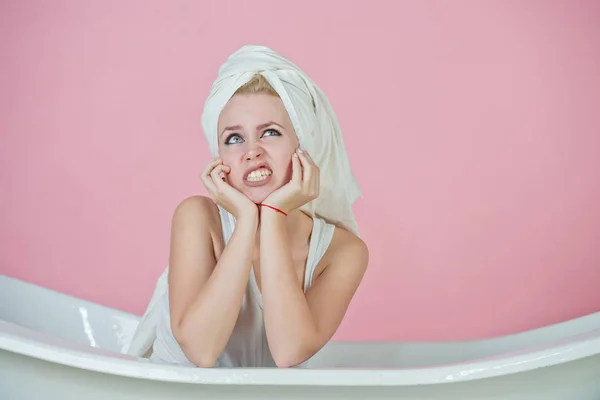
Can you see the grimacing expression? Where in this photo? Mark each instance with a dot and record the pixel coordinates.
(257, 141)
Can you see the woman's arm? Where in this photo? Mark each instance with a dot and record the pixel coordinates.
(299, 324)
(205, 296)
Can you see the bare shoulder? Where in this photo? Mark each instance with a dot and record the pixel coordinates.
(347, 245)
(195, 206)
(197, 216)
(348, 252)
(195, 209)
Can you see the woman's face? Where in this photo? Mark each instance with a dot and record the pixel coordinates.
(256, 140)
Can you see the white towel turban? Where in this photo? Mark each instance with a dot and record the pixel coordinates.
(313, 119)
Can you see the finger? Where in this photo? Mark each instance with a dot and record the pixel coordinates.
(209, 184)
(218, 176)
(312, 174)
(218, 173)
(226, 169)
(296, 169)
(221, 171)
(307, 156)
(306, 166)
(210, 166)
(205, 175)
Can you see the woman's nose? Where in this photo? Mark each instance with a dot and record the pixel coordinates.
(253, 152)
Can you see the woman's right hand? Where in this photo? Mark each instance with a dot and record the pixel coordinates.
(232, 200)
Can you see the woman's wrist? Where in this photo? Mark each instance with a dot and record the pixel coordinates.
(271, 219)
(267, 207)
(249, 217)
(271, 213)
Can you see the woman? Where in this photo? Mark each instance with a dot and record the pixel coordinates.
(262, 272)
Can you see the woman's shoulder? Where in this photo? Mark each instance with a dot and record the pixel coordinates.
(198, 211)
(197, 205)
(345, 248)
(344, 242)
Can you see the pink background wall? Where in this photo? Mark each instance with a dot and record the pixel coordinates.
(473, 128)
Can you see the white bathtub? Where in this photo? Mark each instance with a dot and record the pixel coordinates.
(53, 346)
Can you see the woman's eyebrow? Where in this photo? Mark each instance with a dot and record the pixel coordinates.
(231, 128)
(266, 124)
(258, 128)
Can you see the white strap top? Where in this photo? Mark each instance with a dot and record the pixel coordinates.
(247, 346)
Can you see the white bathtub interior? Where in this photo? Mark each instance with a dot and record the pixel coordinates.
(54, 346)
(62, 317)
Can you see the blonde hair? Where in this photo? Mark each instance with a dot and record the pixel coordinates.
(257, 84)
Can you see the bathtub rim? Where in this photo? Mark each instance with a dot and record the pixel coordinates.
(31, 343)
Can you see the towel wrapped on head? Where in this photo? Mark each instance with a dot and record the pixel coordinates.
(312, 116)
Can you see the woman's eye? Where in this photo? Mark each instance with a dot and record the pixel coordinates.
(271, 132)
(232, 139)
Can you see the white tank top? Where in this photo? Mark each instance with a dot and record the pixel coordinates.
(247, 346)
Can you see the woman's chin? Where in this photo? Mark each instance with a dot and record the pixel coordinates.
(257, 195)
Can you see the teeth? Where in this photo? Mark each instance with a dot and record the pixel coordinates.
(258, 175)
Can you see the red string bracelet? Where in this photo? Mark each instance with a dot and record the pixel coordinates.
(273, 208)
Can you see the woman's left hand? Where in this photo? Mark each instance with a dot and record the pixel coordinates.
(301, 189)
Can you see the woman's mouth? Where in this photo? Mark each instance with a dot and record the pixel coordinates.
(258, 177)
